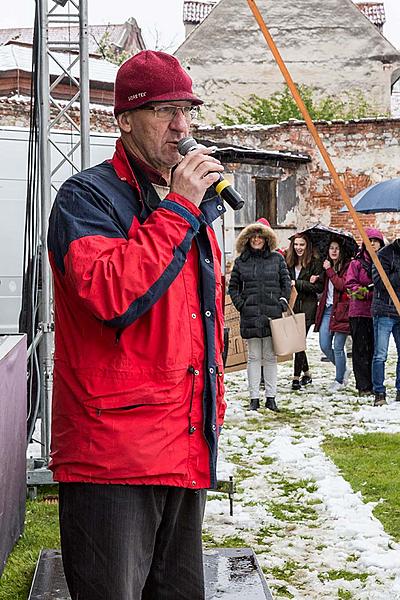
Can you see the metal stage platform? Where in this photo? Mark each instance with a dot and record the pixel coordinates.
(230, 573)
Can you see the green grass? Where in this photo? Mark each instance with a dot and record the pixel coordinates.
(266, 532)
(232, 541)
(342, 574)
(371, 464)
(295, 511)
(344, 594)
(41, 531)
(208, 540)
(265, 460)
(282, 592)
(296, 487)
(287, 572)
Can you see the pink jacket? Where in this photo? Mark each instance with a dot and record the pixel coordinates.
(359, 275)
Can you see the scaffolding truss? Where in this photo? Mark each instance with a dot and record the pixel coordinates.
(66, 53)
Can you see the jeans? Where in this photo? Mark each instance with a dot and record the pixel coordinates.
(336, 355)
(260, 352)
(132, 542)
(383, 327)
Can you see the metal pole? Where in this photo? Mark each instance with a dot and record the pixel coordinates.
(45, 205)
(84, 83)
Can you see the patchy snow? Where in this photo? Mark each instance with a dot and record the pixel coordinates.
(292, 506)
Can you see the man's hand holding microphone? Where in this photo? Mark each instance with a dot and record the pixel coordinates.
(197, 171)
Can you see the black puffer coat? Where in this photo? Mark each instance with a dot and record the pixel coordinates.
(382, 304)
(259, 279)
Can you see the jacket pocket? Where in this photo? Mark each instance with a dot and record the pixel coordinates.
(109, 389)
(341, 314)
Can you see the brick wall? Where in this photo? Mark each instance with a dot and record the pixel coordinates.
(364, 152)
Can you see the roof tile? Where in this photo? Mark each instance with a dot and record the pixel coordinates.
(196, 12)
(374, 11)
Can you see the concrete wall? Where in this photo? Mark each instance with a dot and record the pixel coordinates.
(329, 45)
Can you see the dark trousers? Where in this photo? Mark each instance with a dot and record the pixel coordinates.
(362, 332)
(300, 360)
(127, 542)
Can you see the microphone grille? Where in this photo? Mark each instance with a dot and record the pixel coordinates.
(186, 144)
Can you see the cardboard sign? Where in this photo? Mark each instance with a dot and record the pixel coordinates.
(237, 350)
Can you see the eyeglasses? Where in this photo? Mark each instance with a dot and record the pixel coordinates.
(169, 111)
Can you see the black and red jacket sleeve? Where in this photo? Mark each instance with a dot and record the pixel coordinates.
(117, 265)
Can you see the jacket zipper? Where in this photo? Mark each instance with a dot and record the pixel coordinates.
(192, 428)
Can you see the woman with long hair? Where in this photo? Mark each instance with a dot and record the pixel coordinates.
(258, 281)
(305, 270)
(360, 287)
(332, 318)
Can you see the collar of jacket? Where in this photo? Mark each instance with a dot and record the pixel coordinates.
(251, 253)
(212, 205)
(396, 244)
(122, 166)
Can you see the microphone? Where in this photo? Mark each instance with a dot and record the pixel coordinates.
(222, 186)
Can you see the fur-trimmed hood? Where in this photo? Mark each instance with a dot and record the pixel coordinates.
(267, 233)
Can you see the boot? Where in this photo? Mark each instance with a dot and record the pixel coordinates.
(398, 396)
(380, 399)
(271, 404)
(296, 385)
(254, 404)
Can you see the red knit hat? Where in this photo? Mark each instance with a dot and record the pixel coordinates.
(151, 76)
(264, 221)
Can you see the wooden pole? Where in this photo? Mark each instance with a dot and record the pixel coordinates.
(320, 145)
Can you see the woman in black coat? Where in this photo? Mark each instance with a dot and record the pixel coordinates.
(305, 270)
(258, 281)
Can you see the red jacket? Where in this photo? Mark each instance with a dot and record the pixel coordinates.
(138, 382)
(339, 320)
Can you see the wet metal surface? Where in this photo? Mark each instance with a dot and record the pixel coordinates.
(234, 574)
(230, 573)
(49, 581)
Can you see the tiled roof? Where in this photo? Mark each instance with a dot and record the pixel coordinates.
(196, 12)
(19, 58)
(374, 11)
(116, 35)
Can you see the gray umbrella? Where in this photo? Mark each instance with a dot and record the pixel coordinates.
(380, 197)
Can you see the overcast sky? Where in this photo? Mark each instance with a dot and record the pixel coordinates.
(157, 18)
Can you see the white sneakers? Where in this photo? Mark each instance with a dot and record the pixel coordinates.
(346, 376)
(336, 386)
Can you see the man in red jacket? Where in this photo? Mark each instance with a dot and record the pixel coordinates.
(138, 381)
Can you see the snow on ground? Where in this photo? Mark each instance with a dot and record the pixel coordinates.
(314, 537)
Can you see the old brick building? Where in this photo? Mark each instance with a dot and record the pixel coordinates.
(288, 182)
(364, 152)
(331, 46)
